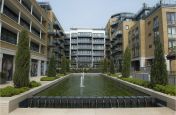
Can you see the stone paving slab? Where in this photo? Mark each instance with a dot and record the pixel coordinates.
(105, 111)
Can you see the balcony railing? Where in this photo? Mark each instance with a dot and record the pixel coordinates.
(10, 13)
(24, 24)
(8, 36)
(26, 5)
(35, 32)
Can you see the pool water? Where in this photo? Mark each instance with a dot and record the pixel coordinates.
(89, 85)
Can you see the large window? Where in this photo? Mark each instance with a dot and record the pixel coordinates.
(171, 18)
(8, 36)
(34, 47)
(155, 23)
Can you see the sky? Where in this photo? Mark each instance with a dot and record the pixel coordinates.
(92, 13)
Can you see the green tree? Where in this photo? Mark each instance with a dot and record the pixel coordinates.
(126, 63)
(104, 65)
(111, 68)
(52, 67)
(63, 65)
(158, 68)
(67, 65)
(22, 61)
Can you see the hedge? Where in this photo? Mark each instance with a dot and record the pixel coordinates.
(168, 89)
(48, 78)
(137, 81)
(10, 91)
(33, 84)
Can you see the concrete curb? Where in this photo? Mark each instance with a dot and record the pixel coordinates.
(170, 100)
(8, 104)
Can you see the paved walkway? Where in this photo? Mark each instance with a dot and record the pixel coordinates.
(106, 111)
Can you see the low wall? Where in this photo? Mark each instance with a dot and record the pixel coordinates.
(8, 104)
(170, 100)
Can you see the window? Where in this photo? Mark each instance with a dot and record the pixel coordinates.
(126, 27)
(155, 22)
(149, 34)
(171, 18)
(149, 22)
(172, 43)
(156, 33)
(150, 46)
(8, 36)
(172, 30)
(34, 47)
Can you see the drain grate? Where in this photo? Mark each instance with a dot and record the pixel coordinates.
(88, 102)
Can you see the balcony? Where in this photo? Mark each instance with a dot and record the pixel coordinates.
(84, 34)
(8, 36)
(34, 47)
(26, 5)
(35, 31)
(24, 24)
(56, 25)
(7, 11)
(84, 41)
(36, 16)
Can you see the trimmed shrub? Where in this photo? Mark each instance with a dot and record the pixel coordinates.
(22, 62)
(126, 63)
(48, 78)
(137, 81)
(10, 91)
(168, 89)
(158, 68)
(33, 84)
(112, 69)
(52, 67)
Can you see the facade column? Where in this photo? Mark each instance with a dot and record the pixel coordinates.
(18, 35)
(41, 19)
(167, 63)
(14, 57)
(40, 48)
(40, 34)
(31, 9)
(0, 28)
(142, 62)
(45, 67)
(39, 68)
(30, 29)
(19, 17)
(30, 64)
(1, 56)
(2, 6)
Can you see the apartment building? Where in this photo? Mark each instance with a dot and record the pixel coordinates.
(55, 34)
(158, 21)
(120, 25)
(137, 38)
(87, 47)
(17, 15)
(67, 45)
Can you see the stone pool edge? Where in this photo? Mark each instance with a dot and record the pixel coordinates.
(8, 104)
(171, 100)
